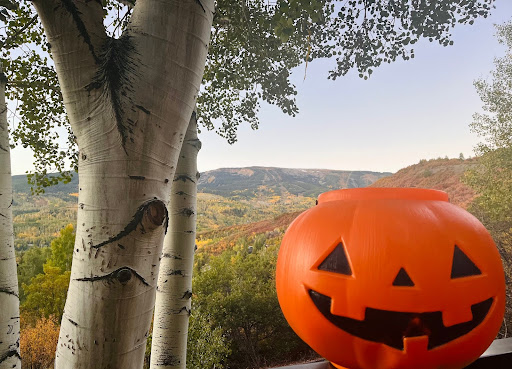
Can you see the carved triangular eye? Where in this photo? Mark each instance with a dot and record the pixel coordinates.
(462, 266)
(403, 279)
(337, 261)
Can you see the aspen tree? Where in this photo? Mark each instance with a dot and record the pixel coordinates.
(174, 291)
(9, 296)
(129, 101)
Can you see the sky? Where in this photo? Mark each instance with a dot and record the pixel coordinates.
(406, 111)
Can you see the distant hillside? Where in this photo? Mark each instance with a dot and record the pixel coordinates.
(437, 174)
(252, 182)
(256, 181)
(227, 197)
(20, 185)
(243, 199)
(272, 230)
(440, 174)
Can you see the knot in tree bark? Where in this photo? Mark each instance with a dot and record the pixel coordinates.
(155, 214)
(124, 275)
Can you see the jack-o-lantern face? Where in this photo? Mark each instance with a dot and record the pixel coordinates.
(391, 327)
(402, 280)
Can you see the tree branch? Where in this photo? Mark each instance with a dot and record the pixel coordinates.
(76, 34)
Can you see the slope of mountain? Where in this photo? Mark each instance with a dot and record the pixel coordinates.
(239, 197)
(252, 181)
(438, 174)
(269, 230)
(257, 181)
(20, 185)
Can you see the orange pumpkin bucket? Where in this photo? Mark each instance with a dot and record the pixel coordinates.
(380, 278)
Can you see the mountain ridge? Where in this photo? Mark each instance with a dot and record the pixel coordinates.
(217, 181)
(246, 182)
(256, 199)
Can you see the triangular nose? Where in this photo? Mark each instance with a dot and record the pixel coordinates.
(403, 279)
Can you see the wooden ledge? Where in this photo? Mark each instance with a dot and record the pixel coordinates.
(497, 356)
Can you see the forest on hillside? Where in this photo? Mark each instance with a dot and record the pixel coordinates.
(236, 321)
(269, 192)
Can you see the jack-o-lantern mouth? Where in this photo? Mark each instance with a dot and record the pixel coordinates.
(391, 327)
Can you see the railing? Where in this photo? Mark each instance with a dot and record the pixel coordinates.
(497, 356)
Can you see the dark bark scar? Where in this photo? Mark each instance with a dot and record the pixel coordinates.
(123, 275)
(134, 223)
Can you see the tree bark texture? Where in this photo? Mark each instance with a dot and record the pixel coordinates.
(174, 291)
(9, 297)
(129, 101)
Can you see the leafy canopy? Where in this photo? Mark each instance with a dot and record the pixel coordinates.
(30, 264)
(46, 293)
(254, 47)
(38, 343)
(236, 292)
(62, 249)
(44, 287)
(256, 44)
(207, 346)
(493, 180)
(34, 90)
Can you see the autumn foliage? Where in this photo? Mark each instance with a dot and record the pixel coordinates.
(437, 174)
(38, 344)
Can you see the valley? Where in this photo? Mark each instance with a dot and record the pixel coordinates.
(226, 197)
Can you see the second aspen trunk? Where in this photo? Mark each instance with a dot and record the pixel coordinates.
(174, 291)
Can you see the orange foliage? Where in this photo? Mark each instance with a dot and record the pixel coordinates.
(38, 344)
(216, 241)
(437, 174)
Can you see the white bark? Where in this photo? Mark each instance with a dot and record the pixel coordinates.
(9, 297)
(174, 291)
(129, 103)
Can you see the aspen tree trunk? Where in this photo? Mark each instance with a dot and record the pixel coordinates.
(129, 101)
(9, 298)
(174, 291)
